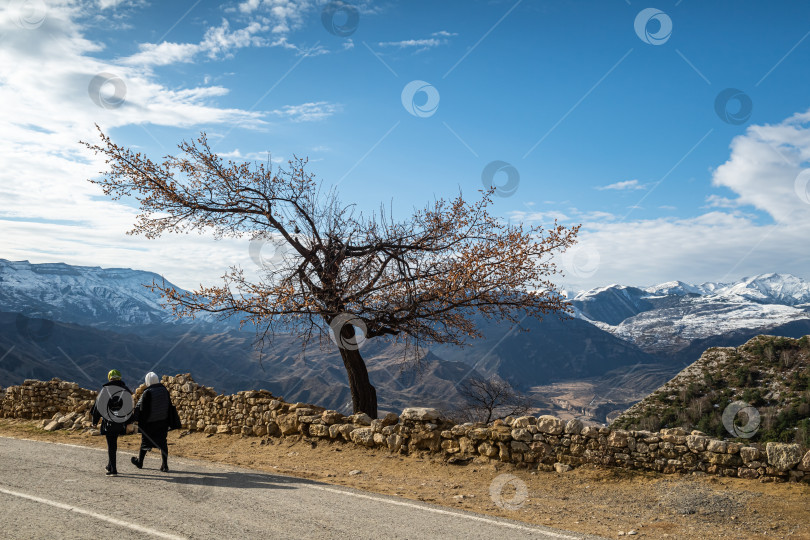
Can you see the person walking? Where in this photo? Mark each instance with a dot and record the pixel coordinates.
(152, 414)
(114, 408)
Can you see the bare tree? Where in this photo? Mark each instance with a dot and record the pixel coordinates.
(419, 280)
(486, 400)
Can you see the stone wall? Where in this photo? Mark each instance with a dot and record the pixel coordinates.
(544, 442)
(43, 399)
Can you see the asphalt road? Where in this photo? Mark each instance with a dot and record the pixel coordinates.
(52, 490)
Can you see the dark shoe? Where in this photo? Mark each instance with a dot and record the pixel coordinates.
(112, 472)
(107, 468)
(136, 462)
(164, 468)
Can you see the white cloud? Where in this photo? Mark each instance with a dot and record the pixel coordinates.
(408, 43)
(308, 112)
(763, 167)
(50, 212)
(283, 16)
(443, 33)
(625, 185)
(218, 42)
(725, 243)
(236, 155)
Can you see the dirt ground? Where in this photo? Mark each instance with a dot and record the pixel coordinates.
(606, 502)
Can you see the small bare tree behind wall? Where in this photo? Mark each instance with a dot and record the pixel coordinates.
(419, 280)
(490, 399)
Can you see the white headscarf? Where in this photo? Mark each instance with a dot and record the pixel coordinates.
(152, 378)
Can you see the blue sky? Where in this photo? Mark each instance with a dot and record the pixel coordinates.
(605, 125)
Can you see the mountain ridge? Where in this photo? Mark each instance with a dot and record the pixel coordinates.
(635, 337)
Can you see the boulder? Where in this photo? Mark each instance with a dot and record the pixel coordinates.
(696, 443)
(420, 414)
(389, 419)
(523, 422)
(550, 424)
(805, 464)
(331, 417)
(749, 454)
(425, 440)
(53, 425)
(487, 449)
(450, 446)
(719, 447)
(783, 457)
(288, 423)
(521, 435)
(618, 438)
(362, 436)
(361, 419)
(395, 442)
(574, 426)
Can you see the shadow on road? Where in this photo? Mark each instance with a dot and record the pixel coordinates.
(200, 485)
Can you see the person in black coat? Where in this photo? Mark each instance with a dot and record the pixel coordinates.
(115, 413)
(152, 414)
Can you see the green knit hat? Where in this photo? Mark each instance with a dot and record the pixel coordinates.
(114, 375)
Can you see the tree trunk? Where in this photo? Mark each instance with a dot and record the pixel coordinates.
(364, 395)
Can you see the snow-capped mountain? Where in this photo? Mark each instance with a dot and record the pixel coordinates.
(671, 315)
(92, 296)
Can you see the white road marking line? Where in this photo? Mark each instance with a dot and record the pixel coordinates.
(101, 517)
(443, 512)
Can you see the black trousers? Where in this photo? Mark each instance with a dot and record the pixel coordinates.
(112, 448)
